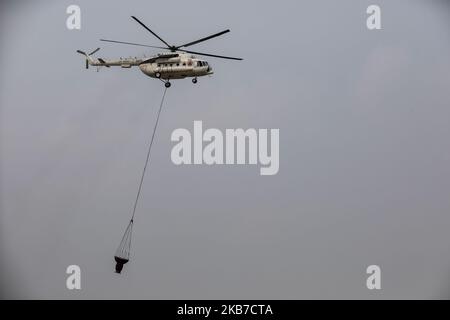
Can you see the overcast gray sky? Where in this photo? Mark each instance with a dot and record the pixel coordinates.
(364, 174)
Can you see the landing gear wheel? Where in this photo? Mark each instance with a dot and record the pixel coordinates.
(194, 80)
(167, 84)
(158, 75)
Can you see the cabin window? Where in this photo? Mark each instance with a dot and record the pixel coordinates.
(178, 64)
(184, 63)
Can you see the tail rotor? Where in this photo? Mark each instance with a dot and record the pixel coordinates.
(88, 56)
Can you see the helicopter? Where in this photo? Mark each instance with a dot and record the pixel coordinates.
(178, 63)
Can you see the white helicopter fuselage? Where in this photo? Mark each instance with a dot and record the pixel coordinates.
(185, 65)
(174, 65)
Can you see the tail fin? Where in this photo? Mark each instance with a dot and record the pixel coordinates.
(89, 59)
(103, 61)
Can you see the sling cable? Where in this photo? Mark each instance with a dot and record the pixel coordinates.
(122, 255)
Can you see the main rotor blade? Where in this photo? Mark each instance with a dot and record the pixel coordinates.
(138, 21)
(133, 44)
(204, 39)
(210, 55)
(81, 52)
